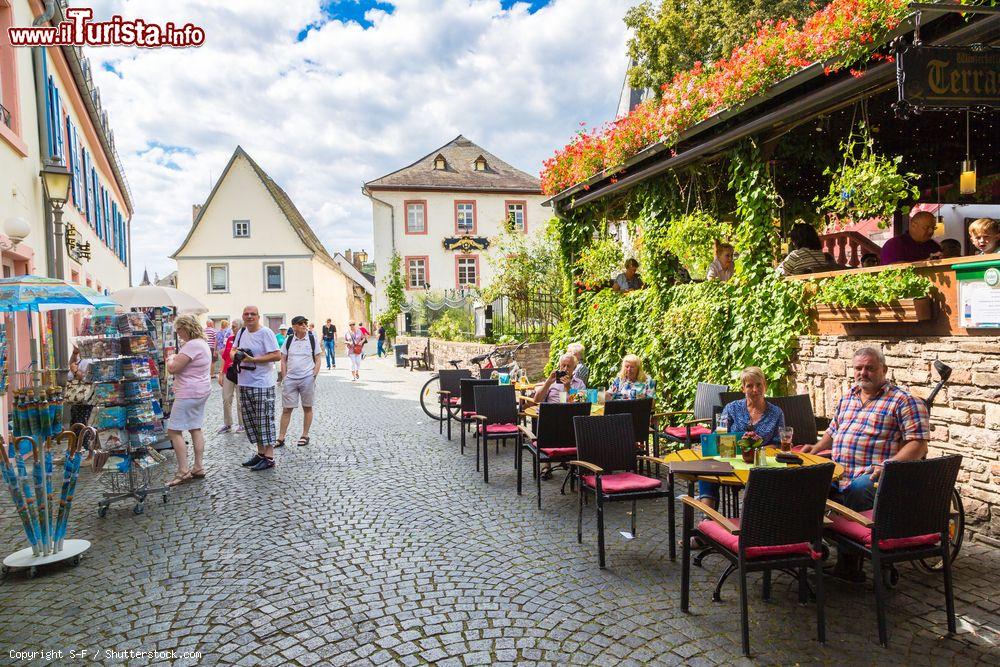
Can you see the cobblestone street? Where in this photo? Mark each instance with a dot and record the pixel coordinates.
(380, 544)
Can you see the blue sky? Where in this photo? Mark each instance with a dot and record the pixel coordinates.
(369, 87)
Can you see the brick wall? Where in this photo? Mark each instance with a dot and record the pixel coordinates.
(532, 357)
(965, 418)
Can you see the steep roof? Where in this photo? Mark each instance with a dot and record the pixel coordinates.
(282, 199)
(460, 174)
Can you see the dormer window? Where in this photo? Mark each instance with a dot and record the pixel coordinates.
(439, 163)
(480, 163)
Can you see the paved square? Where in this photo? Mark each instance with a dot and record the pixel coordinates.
(380, 544)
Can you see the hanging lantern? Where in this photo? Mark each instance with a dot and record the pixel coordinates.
(967, 179)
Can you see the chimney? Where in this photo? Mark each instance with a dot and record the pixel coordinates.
(349, 256)
(195, 210)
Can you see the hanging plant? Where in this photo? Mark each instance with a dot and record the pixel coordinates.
(867, 185)
(598, 264)
(692, 238)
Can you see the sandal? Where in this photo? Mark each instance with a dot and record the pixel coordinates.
(180, 478)
(280, 442)
(546, 474)
(198, 473)
(303, 441)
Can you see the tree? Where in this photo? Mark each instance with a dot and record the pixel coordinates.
(671, 38)
(394, 297)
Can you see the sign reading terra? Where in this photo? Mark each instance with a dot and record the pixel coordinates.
(949, 77)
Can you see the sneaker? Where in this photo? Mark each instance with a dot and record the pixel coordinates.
(237, 429)
(252, 461)
(263, 464)
(225, 429)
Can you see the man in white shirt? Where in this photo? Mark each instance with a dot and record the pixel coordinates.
(300, 363)
(254, 352)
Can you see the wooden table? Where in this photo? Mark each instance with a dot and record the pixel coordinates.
(595, 409)
(739, 477)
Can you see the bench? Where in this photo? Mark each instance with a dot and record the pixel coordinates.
(422, 358)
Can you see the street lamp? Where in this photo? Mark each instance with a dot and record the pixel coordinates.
(16, 229)
(55, 180)
(362, 257)
(55, 183)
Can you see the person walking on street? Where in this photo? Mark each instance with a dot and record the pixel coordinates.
(190, 366)
(210, 338)
(301, 358)
(355, 347)
(253, 353)
(230, 389)
(330, 343)
(222, 335)
(381, 340)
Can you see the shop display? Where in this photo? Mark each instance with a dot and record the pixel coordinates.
(124, 369)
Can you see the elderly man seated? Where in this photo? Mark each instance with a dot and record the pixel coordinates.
(562, 379)
(875, 422)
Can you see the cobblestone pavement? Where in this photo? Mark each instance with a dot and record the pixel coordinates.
(379, 544)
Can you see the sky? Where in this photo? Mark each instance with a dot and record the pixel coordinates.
(328, 94)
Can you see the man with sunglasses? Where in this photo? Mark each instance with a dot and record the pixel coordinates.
(254, 352)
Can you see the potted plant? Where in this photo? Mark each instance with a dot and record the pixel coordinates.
(749, 445)
(895, 295)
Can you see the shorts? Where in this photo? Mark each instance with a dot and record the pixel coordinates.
(292, 389)
(257, 408)
(187, 414)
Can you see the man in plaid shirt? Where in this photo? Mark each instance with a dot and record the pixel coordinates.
(875, 422)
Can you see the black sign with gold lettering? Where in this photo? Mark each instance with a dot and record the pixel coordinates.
(74, 248)
(948, 77)
(466, 243)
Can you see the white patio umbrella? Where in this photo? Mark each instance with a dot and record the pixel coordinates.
(155, 296)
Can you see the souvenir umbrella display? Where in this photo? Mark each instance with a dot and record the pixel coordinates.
(36, 426)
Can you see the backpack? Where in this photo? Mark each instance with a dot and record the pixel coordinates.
(312, 343)
(233, 372)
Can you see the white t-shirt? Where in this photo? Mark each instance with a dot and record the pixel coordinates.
(260, 342)
(299, 357)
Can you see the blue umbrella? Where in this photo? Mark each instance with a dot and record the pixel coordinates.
(35, 293)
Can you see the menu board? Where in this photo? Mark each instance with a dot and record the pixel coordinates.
(979, 299)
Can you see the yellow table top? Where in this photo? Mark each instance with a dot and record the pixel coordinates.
(740, 477)
(595, 409)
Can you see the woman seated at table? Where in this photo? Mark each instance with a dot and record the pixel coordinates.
(751, 415)
(631, 382)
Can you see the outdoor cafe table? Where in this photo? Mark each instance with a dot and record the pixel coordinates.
(532, 411)
(741, 471)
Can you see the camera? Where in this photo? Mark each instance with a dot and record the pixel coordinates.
(240, 355)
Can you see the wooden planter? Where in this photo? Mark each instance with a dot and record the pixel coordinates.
(903, 310)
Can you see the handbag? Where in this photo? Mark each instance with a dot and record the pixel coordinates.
(78, 391)
(357, 348)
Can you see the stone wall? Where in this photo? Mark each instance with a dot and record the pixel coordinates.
(965, 418)
(532, 357)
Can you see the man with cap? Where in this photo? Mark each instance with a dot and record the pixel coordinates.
(301, 357)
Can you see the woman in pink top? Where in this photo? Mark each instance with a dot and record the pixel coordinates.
(190, 368)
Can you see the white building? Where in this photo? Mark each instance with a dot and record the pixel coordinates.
(248, 244)
(441, 213)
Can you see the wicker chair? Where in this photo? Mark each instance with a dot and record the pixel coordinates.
(555, 442)
(606, 449)
(781, 528)
(497, 417)
(909, 522)
(641, 410)
(467, 412)
(799, 415)
(450, 395)
(705, 399)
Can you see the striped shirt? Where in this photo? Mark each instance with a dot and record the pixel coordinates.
(805, 260)
(210, 337)
(868, 433)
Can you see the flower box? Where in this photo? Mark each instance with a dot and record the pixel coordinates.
(902, 310)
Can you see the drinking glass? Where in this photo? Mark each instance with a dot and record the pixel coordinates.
(786, 433)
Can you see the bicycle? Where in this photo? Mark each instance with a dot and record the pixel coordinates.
(496, 360)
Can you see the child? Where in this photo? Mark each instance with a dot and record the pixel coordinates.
(951, 248)
(721, 268)
(985, 235)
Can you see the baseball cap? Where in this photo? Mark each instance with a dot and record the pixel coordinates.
(299, 319)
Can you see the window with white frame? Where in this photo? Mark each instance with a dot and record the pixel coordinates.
(515, 215)
(218, 277)
(468, 271)
(241, 229)
(416, 217)
(465, 217)
(416, 272)
(274, 277)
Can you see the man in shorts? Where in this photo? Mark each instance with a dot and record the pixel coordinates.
(300, 362)
(256, 383)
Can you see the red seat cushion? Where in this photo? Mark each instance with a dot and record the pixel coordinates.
(494, 429)
(680, 432)
(622, 482)
(467, 413)
(858, 533)
(555, 452)
(452, 400)
(716, 532)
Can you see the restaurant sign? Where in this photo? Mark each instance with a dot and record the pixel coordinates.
(78, 250)
(466, 243)
(978, 294)
(948, 77)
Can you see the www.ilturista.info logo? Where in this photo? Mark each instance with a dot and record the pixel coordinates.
(78, 30)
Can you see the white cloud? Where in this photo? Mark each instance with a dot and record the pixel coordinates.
(346, 104)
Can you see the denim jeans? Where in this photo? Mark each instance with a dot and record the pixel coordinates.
(858, 496)
(331, 359)
(381, 347)
(708, 490)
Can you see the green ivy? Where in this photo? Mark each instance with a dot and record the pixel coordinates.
(866, 289)
(692, 238)
(394, 296)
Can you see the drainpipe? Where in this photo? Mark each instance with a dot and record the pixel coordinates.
(53, 227)
(392, 216)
